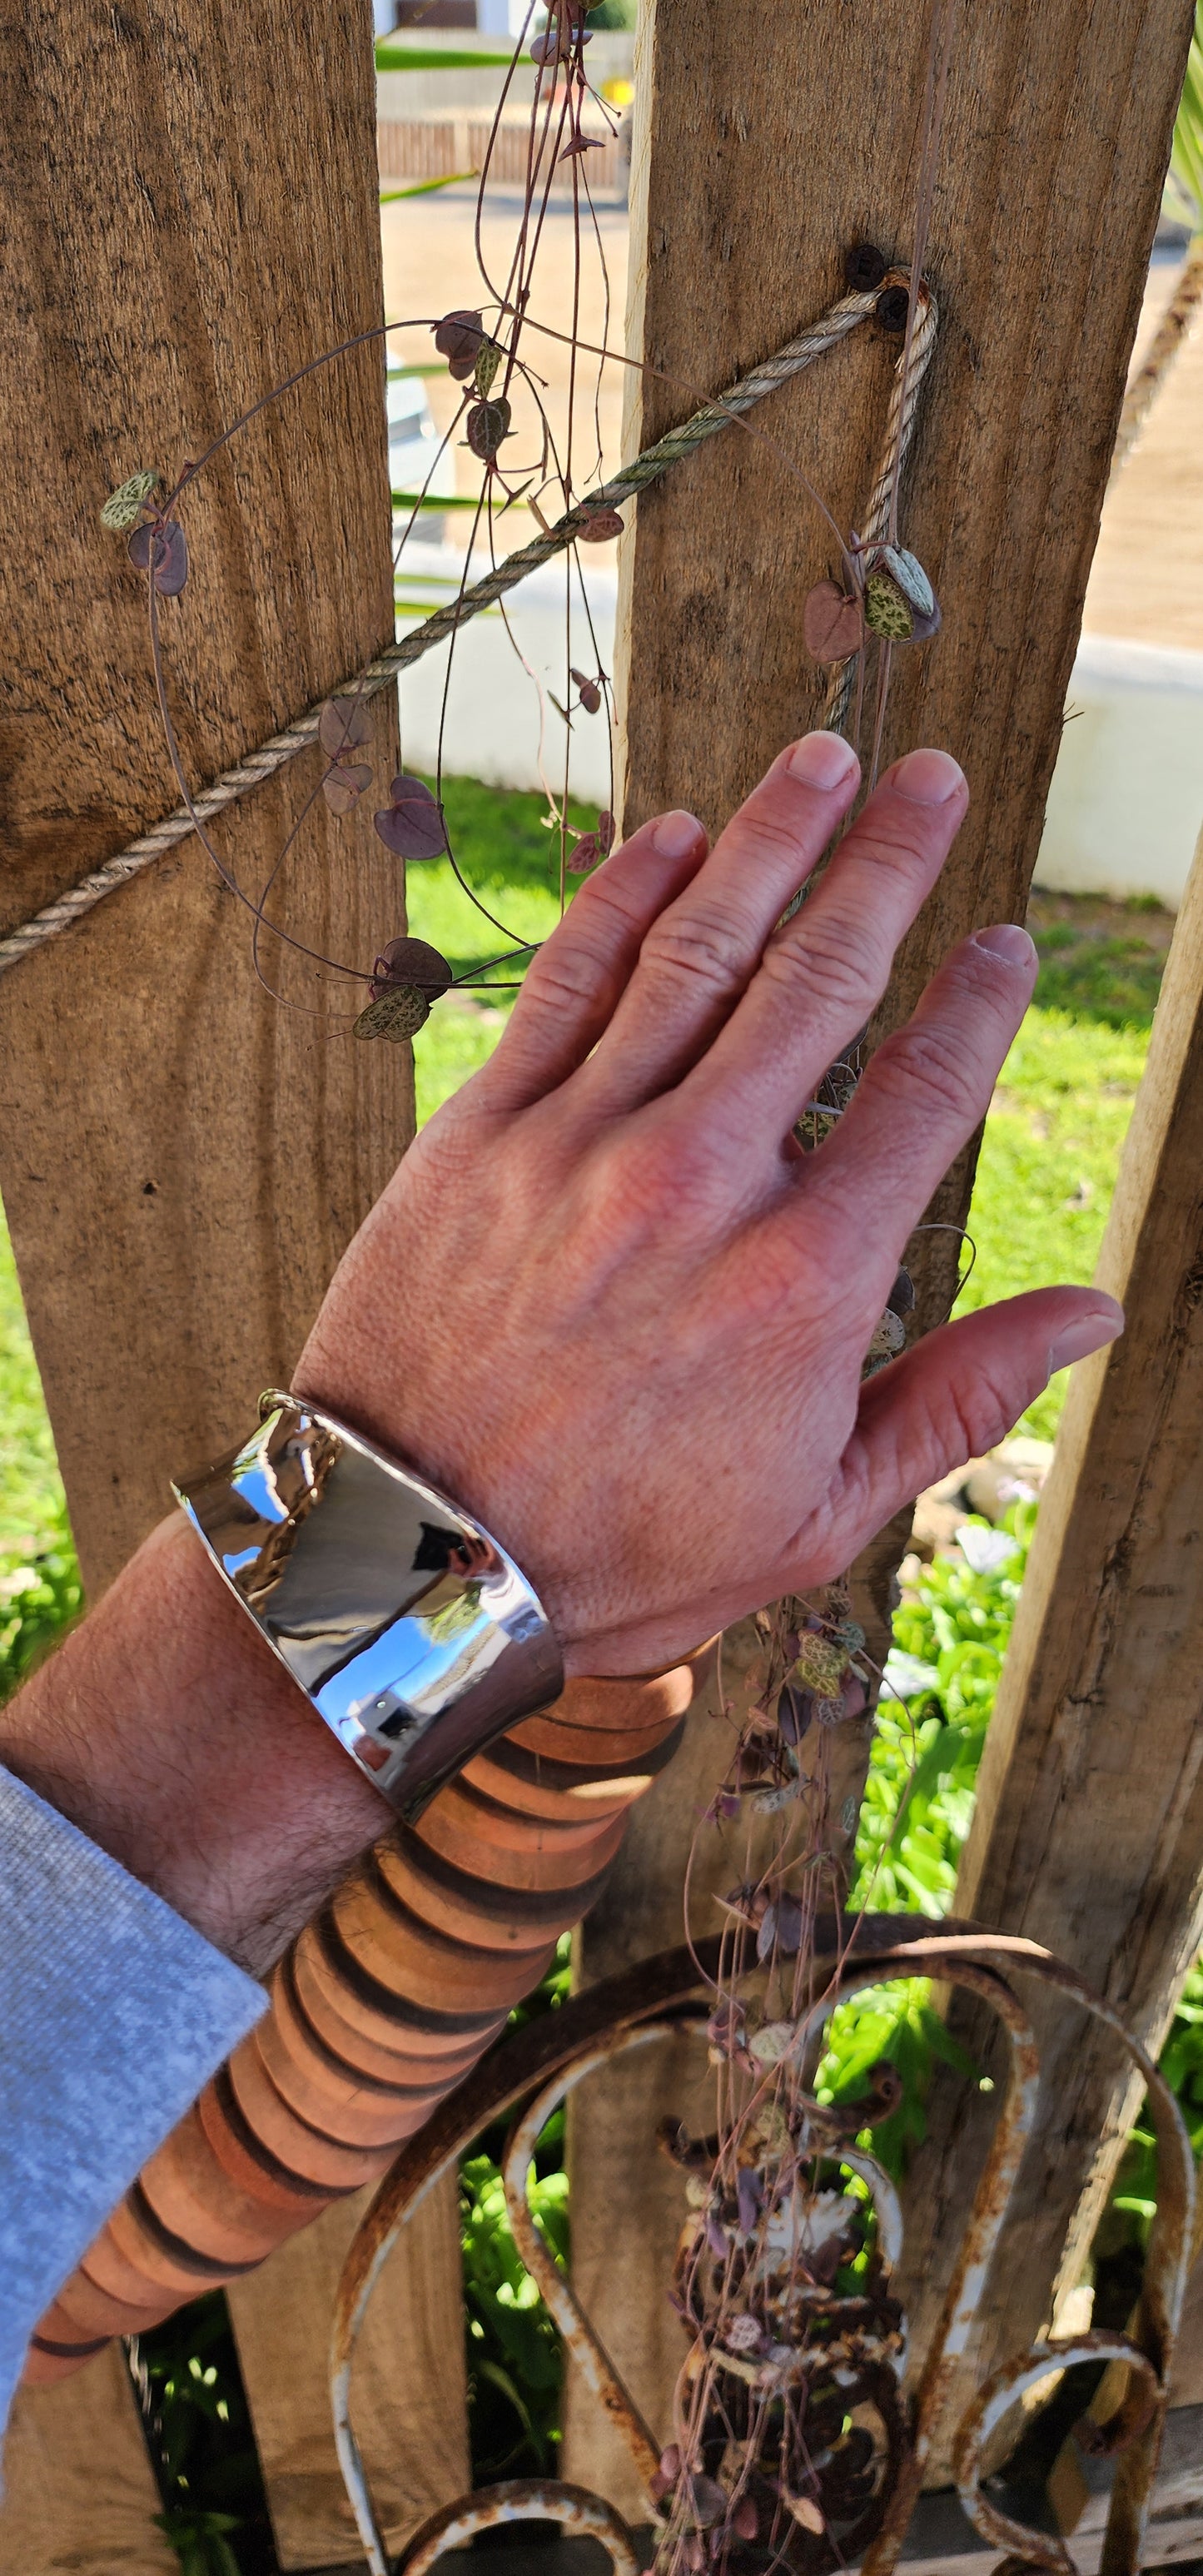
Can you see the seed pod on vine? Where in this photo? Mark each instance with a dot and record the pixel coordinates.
(487, 425)
(457, 338)
(397, 1013)
(413, 963)
(124, 507)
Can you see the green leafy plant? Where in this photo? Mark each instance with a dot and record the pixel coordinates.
(40, 1596)
(198, 2431)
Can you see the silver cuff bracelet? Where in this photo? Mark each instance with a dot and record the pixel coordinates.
(412, 1632)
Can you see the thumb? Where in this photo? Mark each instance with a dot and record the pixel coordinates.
(957, 1393)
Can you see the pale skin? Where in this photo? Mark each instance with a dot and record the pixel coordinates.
(609, 1308)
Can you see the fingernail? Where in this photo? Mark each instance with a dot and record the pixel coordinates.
(676, 833)
(821, 760)
(1006, 940)
(1087, 1333)
(927, 777)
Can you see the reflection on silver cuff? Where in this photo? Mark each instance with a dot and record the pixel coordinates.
(412, 1632)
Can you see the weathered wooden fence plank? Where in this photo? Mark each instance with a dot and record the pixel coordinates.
(1088, 1834)
(79, 2493)
(410, 2413)
(181, 1158)
(191, 214)
(763, 149)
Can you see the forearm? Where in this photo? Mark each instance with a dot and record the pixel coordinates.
(165, 1729)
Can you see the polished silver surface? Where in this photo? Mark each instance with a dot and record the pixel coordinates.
(410, 1629)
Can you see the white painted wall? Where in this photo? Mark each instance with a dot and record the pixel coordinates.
(1126, 803)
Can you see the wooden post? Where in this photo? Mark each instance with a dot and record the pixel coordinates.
(79, 2491)
(410, 2394)
(1088, 1833)
(181, 1158)
(192, 214)
(763, 150)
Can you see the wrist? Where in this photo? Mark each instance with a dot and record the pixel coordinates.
(165, 1729)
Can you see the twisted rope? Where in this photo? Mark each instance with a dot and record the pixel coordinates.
(900, 424)
(249, 772)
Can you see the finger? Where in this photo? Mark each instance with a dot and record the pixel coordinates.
(928, 1085)
(956, 1395)
(822, 975)
(576, 979)
(698, 956)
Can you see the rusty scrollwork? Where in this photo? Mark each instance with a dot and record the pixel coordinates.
(866, 2508)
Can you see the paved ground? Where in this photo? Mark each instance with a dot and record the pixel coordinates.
(1147, 580)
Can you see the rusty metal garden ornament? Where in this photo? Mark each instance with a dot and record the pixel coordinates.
(795, 2343)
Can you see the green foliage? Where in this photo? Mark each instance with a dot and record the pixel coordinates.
(40, 1595)
(923, 1768)
(392, 57)
(916, 1812)
(1112, 981)
(512, 862)
(1048, 1163)
(1134, 2198)
(1186, 157)
(514, 2355)
(198, 2428)
(515, 2360)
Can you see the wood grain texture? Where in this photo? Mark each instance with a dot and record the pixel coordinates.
(763, 148)
(777, 143)
(192, 215)
(409, 2370)
(1088, 1832)
(58, 2516)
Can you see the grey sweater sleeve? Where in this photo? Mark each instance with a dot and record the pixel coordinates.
(113, 2013)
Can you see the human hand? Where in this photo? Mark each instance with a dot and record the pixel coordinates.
(608, 1305)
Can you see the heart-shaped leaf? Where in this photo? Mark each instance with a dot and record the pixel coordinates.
(583, 855)
(343, 725)
(606, 828)
(345, 785)
(397, 1013)
(411, 824)
(832, 625)
(599, 527)
(166, 548)
(413, 962)
(907, 572)
(123, 508)
(487, 424)
(457, 338)
(887, 609)
(488, 360)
